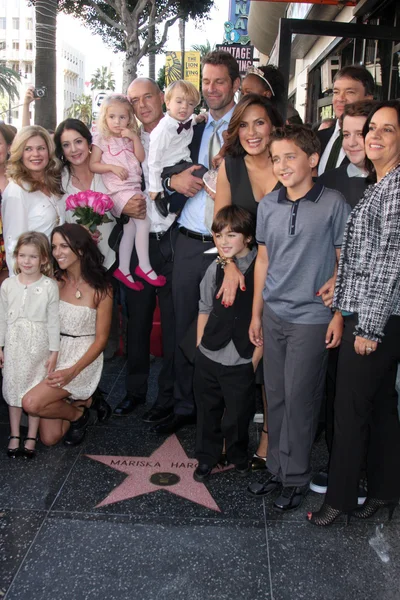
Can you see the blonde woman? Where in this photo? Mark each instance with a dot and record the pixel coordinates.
(6, 138)
(32, 200)
(116, 154)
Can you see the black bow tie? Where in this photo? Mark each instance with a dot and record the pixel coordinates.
(183, 126)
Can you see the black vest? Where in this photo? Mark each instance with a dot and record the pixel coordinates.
(232, 323)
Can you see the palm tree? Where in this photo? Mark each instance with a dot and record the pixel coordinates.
(102, 79)
(45, 64)
(8, 82)
(203, 48)
(81, 109)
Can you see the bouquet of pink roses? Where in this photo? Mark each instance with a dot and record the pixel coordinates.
(90, 209)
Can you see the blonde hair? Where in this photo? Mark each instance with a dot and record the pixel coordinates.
(105, 105)
(41, 243)
(187, 89)
(17, 171)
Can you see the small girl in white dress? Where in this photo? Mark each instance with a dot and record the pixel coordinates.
(29, 333)
(116, 154)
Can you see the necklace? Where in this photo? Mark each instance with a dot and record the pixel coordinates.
(54, 205)
(78, 293)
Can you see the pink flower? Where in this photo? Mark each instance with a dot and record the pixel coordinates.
(98, 206)
(95, 203)
(70, 203)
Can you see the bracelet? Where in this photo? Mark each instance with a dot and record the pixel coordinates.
(223, 261)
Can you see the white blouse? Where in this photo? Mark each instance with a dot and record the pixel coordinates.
(105, 228)
(24, 211)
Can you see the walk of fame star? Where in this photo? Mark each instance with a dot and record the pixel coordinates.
(168, 468)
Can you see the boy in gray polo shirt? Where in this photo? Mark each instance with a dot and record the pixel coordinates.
(299, 232)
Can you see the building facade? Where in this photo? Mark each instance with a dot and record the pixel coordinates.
(314, 59)
(17, 51)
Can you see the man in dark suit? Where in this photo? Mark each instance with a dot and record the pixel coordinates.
(220, 81)
(352, 83)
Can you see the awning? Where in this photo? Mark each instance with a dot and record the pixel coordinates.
(263, 24)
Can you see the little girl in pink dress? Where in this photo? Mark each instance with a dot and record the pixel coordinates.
(116, 154)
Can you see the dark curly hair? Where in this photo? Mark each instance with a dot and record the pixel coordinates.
(81, 243)
(232, 145)
(68, 125)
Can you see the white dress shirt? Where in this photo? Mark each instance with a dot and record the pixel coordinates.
(158, 224)
(105, 229)
(325, 155)
(23, 211)
(167, 148)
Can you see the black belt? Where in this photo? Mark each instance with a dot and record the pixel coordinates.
(77, 336)
(195, 235)
(157, 235)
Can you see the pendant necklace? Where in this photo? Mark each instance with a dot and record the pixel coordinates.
(78, 293)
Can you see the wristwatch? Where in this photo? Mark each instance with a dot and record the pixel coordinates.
(167, 184)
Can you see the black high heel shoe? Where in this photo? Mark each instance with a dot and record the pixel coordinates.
(326, 516)
(77, 430)
(14, 452)
(28, 452)
(103, 409)
(259, 463)
(372, 505)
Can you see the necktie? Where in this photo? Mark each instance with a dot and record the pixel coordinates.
(214, 145)
(334, 153)
(183, 126)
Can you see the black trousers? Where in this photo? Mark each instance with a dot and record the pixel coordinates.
(141, 307)
(190, 265)
(366, 420)
(225, 400)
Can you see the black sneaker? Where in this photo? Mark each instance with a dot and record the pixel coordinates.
(319, 483)
(291, 498)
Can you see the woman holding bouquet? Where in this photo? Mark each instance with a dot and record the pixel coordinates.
(73, 141)
(32, 199)
(63, 399)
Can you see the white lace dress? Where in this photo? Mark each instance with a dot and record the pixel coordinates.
(78, 330)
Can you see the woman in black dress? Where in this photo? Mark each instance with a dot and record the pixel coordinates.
(244, 178)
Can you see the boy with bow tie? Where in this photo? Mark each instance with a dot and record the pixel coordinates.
(169, 142)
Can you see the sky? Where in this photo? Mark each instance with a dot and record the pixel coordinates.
(98, 54)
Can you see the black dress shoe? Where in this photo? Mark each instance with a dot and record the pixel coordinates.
(291, 498)
(128, 405)
(202, 472)
(157, 414)
(174, 423)
(77, 431)
(259, 489)
(102, 408)
(242, 468)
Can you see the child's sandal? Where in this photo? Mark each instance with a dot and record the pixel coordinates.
(28, 452)
(14, 452)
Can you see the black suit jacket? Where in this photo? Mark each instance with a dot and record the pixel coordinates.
(194, 147)
(352, 188)
(324, 136)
